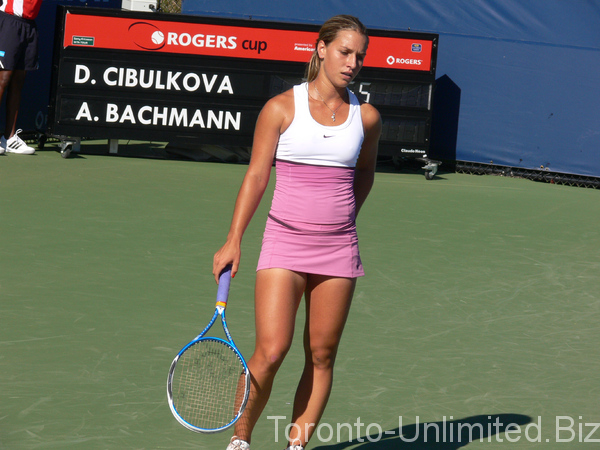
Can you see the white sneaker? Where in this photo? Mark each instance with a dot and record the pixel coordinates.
(238, 444)
(16, 145)
(295, 447)
(2, 145)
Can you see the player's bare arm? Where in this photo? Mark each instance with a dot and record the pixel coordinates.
(275, 117)
(367, 160)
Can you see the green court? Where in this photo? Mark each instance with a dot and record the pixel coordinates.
(480, 308)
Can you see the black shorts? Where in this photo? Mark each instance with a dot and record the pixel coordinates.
(18, 43)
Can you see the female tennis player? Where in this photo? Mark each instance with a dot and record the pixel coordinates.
(324, 142)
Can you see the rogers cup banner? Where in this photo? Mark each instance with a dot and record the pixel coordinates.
(133, 34)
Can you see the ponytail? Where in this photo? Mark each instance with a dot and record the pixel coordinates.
(313, 67)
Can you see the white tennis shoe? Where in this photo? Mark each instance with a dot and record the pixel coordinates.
(15, 145)
(238, 444)
(295, 447)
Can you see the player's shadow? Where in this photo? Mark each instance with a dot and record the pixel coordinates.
(448, 435)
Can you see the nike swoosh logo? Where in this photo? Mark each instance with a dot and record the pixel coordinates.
(326, 137)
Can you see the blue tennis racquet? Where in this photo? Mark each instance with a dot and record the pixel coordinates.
(209, 381)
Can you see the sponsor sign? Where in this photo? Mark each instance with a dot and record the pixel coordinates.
(160, 36)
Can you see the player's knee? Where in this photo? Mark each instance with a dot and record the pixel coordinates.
(4, 83)
(272, 356)
(322, 357)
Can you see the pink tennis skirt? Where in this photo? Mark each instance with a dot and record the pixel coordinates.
(331, 253)
(318, 234)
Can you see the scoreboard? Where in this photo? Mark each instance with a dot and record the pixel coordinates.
(150, 76)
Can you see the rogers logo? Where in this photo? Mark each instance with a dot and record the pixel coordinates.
(391, 60)
(147, 36)
(202, 40)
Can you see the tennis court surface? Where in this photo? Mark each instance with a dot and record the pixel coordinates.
(480, 309)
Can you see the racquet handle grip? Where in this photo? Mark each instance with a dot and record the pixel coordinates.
(224, 282)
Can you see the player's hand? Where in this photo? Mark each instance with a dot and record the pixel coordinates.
(230, 253)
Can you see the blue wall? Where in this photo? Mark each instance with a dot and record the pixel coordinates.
(528, 70)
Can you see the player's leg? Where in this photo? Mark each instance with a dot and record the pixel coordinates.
(5, 76)
(328, 303)
(13, 100)
(277, 296)
(11, 141)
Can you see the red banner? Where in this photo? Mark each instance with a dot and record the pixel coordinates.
(122, 33)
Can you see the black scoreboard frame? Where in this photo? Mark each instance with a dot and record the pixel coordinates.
(97, 92)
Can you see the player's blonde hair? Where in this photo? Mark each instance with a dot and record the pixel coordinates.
(328, 33)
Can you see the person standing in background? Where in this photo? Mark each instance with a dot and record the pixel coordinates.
(18, 54)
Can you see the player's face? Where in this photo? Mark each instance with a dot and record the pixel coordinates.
(343, 58)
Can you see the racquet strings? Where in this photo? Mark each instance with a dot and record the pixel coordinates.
(205, 384)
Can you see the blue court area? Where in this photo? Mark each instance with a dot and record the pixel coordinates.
(476, 325)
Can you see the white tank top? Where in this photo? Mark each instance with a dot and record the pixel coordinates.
(306, 141)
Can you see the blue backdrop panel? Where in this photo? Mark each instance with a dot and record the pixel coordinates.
(527, 70)
(33, 113)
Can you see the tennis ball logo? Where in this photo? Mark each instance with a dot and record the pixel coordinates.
(158, 37)
(146, 35)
